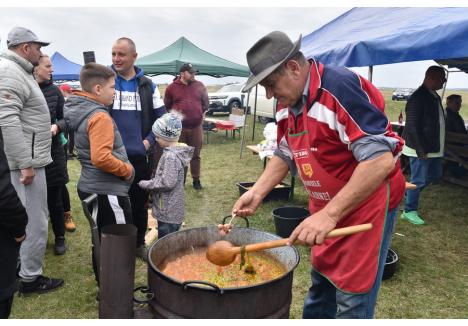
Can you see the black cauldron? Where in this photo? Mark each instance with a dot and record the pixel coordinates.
(174, 299)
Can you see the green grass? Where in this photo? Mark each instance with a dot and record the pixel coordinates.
(431, 280)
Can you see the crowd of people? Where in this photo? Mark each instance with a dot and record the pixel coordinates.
(130, 142)
(126, 141)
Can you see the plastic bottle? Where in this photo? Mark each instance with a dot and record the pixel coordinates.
(400, 117)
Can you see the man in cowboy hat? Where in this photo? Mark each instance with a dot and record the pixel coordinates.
(334, 133)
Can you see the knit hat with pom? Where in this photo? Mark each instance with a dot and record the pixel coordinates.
(168, 127)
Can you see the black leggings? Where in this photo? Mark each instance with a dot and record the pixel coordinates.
(66, 199)
(55, 204)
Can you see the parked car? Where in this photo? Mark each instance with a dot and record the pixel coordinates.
(227, 97)
(402, 94)
(230, 96)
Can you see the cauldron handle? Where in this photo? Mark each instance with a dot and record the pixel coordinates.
(146, 291)
(245, 219)
(186, 285)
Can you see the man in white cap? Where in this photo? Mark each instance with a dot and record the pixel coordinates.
(335, 133)
(26, 130)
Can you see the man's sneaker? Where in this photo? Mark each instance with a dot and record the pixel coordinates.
(413, 217)
(59, 246)
(69, 224)
(42, 284)
(197, 185)
(142, 253)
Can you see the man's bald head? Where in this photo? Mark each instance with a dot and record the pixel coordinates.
(131, 45)
(123, 57)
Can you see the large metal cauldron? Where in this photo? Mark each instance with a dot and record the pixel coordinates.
(174, 299)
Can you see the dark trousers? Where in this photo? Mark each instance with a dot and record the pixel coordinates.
(154, 155)
(139, 197)
(111, 210)
(166, 228)
(55, 205)
(9, 252)
(457, 170)
(5, 307)
(71, 142)
(193, 137)
(65, 199)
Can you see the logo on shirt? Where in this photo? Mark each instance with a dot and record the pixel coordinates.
(300, 154)
(307, 169)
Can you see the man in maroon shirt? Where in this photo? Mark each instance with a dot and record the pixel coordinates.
(189, 97)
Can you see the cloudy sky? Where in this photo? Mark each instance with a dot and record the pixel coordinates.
(225, 32)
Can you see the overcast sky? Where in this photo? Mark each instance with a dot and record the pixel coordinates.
(225, 32)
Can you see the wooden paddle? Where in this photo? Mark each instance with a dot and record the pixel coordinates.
(223, 253)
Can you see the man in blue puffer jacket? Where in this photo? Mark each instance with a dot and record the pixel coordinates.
(137, 105)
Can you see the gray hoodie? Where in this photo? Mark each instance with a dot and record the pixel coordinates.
(167, 186)
(78, 110)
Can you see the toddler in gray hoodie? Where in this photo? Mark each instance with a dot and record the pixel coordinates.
(167, 186)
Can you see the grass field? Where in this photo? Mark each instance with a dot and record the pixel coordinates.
(431, 280)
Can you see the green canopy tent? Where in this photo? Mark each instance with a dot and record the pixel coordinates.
(171, 58)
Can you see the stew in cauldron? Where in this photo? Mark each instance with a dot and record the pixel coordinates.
(192, 265)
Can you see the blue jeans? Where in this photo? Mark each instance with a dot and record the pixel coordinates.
(423, 172)
(166, 228)
(324, 300)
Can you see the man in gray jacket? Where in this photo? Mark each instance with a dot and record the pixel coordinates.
(25, 125)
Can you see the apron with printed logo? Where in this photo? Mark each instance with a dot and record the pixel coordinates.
(349, 262)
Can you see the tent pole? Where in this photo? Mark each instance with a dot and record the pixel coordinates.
(371, 72)
(255, 112)
(243, 128)
(445, 85)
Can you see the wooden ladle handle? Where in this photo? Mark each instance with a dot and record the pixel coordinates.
(282, 242)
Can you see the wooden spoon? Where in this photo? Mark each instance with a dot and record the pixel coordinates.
(223, 253)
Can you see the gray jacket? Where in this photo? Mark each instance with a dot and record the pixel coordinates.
(167, 186)
(78, 110)
(24, 115)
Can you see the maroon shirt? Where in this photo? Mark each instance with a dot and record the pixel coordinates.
(191, 100)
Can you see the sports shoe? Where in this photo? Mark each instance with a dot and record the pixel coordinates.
(413, 217)
(197, 185)
(42, 284)
(59, 246)
(142, 253)
(68, 220)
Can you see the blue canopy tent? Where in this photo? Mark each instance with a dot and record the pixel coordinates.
(64, 69)
(375, 36)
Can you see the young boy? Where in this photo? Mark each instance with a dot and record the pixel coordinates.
(167, 186)
(105, 168)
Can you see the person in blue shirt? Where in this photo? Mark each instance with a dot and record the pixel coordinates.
(137, 105)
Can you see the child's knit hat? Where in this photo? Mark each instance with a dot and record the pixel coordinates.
(168, 127)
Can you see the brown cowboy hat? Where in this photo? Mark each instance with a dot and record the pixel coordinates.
(268, 54)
